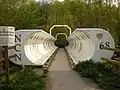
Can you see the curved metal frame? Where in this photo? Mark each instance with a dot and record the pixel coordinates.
(61, 34)
(60, 26)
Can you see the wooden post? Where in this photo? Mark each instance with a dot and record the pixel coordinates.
(1, 61)
(7, 38)
(6, 65)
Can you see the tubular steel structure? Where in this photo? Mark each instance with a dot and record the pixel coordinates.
(60, 26)
(34, 47)
(60, 34)
(88, 43)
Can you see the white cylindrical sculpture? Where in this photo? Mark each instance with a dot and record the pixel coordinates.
(33, 47)
(88, 43)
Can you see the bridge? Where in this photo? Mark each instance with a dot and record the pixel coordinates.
(36, 47)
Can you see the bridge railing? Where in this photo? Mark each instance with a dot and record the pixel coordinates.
(112, 49)
(70, 58)
(117, 62)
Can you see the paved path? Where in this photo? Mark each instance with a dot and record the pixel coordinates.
(62, 77)
(60, 62)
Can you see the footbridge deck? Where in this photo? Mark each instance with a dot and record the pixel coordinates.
(62, 77)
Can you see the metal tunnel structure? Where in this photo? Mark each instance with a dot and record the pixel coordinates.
(87, 43)
(34, 47)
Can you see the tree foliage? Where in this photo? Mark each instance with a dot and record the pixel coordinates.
(75, 13)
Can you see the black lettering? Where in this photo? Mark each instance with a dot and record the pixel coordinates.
(17, 57)
(104, 45)
(101, 45)
(107, 44)
(17, 45)
(18, 38)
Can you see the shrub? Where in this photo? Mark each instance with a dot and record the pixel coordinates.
(24, 80)
(107, 75)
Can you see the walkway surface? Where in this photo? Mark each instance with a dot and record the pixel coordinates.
(62, 77)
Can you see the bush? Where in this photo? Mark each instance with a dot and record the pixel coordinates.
(24, 80)
(107, 75)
